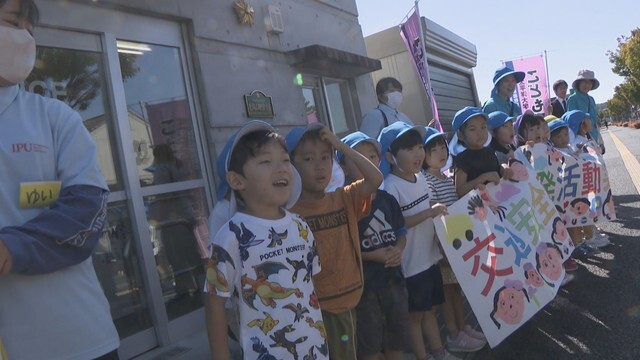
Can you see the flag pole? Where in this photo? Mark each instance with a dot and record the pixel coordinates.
(430, 93)
(546, 66)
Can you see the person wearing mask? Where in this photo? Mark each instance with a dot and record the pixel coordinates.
(389, 92)
(51, 303)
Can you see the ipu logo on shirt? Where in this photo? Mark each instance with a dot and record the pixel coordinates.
(29, 147)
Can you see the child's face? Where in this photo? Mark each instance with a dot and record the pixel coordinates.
(533, 133)
(475, 133)
(314, 161)
(268, 177)
(408, 161)
(580, 208)
(505, 133)
(545, 131)
(368, 150)
(586, 126)
(551, 263)
(436, 157)
(534, 278)
(510, 305)
(585, 86)
(560, 137)
(507, 85)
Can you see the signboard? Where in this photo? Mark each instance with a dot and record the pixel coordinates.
(258, 105)
(577, 183)
(533, 91)
(506, 245)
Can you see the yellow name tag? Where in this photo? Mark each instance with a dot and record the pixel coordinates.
(39, 193)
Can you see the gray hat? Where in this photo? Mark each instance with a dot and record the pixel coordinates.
(585, 74)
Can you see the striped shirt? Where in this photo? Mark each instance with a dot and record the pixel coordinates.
(442, 190)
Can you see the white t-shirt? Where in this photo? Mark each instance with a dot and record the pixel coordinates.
(421, 251)
(64, 314)
(266, 268)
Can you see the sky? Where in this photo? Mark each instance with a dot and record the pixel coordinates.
(575, 34)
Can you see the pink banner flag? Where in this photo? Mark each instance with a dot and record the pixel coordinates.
(411, 32)
(533, 92)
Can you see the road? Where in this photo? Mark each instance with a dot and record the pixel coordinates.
(597, 316)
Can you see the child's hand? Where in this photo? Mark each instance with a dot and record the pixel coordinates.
(492, 176)
(331, 138)
(379, 255)
(507, 173)
(394, 256)
(440, 209)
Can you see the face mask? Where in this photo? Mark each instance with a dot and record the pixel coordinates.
(394, 99)
(18, 55)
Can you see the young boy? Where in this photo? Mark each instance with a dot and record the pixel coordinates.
(264, 257)
(333, 218)
(477, 165)
(501, 127)
(402, 161)
(382, 309)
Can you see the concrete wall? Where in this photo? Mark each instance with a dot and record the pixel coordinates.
(232, 60)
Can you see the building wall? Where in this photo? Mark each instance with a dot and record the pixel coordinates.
(233, 59)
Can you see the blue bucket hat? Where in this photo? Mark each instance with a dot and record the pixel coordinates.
(574, 119)
(293, 137)
(463, 115)
(223, 160)
(506, 71)
(356, 138)
(497, 119)
(556, 124)
(432, 133)
(388, 135)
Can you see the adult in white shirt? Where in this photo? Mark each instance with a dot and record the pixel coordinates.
(51, 303)
(389, 92)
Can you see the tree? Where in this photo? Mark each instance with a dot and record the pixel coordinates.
(626, 63)
(626, 59)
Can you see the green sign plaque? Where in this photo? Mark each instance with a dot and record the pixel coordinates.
(258, 105)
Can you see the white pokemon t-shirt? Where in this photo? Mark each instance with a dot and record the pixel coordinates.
(266, 268)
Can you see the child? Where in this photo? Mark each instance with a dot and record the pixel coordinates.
(333, 218)
(462, 337)
(477, 165)
(505, 80)
(580, 126)
(383, 307)
(581, 100)
(560, 140)
(528, 129)
(501, 128)
(402, 160)
(258, 258)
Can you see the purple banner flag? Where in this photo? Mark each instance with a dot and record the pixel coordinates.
(411, 32)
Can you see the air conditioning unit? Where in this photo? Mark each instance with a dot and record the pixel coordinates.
(275, 23)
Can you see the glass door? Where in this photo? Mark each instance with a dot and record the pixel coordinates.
(128, 77)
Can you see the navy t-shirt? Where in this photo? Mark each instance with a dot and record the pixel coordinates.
(477, 162)
(378, 230)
